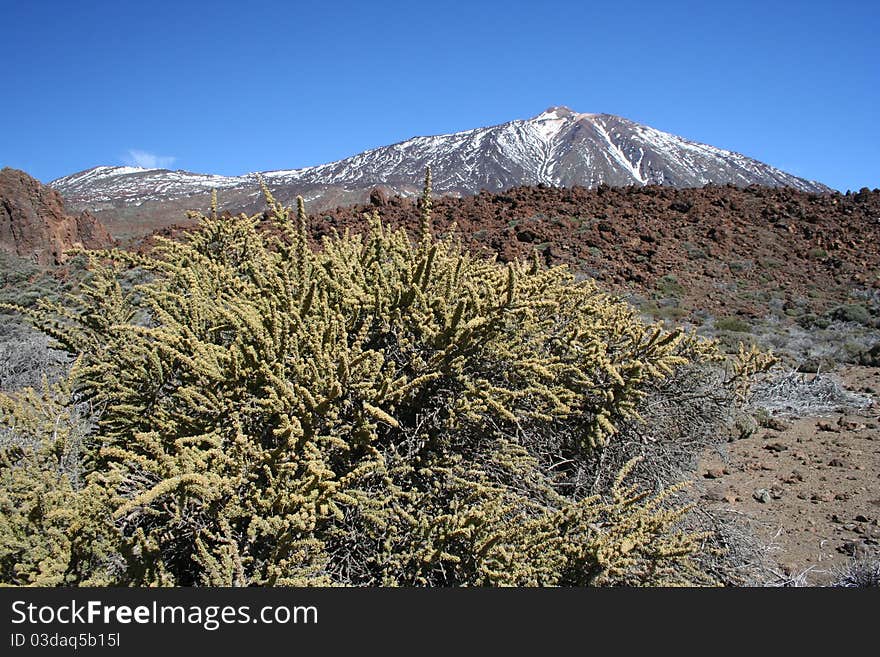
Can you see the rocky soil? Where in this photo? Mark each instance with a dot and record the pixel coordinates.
(719, 251)
(806, 485)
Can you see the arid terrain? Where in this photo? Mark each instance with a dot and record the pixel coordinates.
(766, 265)
(794, 272)
(731, 250)
(718, 250)
(805, 484)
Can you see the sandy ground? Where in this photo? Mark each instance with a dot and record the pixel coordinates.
(807, 488)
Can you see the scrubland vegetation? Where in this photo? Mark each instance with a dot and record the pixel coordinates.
(244, 409)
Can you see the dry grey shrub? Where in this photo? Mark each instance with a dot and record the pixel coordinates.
(57, 418)
(788, 392)
(686, 416)
(26, 356)
(860, 573)
(816, 347)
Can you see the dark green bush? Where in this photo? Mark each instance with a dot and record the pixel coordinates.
(669, 286)
(734, 324)
(852, 312)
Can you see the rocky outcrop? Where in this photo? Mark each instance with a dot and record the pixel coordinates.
(378, 197)
(34, 225)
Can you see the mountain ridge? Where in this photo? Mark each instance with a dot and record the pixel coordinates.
(559, 147)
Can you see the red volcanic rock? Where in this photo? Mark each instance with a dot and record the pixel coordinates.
(729, 248)
(378, 197)
(33, 223)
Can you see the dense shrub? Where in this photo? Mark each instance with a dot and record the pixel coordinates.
(374, 412)
(852, 312)
(733, 324)
(51, 531)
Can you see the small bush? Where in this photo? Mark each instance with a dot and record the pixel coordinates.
(809, 320)
(741, 265)
(852, 312)
(744, 426)
(695, 252)
(817, 364)
(771, 263)
(790, 392)
(860, 573)
(668, 286)
(870, 357)
(27, 358)
(734, 324)
(729, 341)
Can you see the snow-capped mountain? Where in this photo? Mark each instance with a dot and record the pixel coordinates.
(558, 147)
(134, 185)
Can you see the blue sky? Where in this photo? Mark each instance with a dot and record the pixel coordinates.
(232, 87)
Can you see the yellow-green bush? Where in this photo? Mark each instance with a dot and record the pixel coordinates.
(371, 412)
(52, 531)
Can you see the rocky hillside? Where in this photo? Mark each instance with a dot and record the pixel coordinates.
(721, 250)
(35, 226)
(718, 251)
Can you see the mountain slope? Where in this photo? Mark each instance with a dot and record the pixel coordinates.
(559, 147)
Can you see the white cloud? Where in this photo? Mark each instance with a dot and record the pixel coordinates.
(136, 158)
